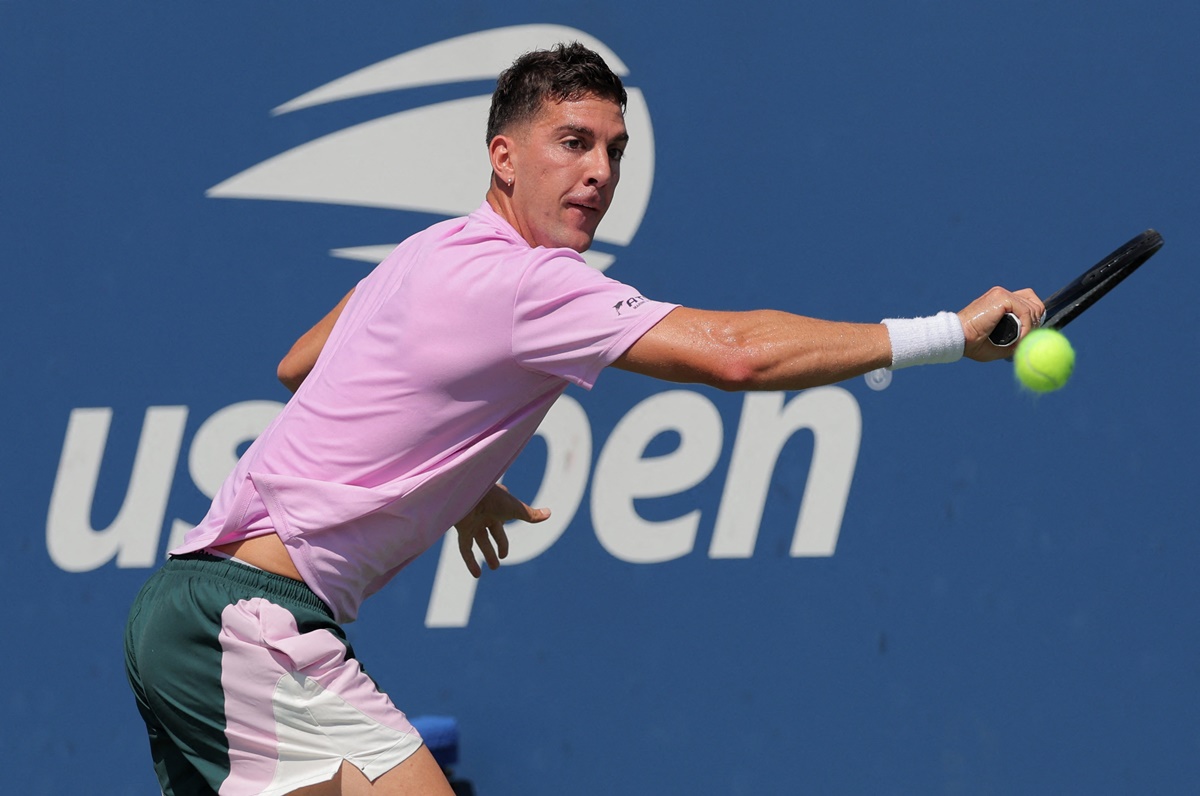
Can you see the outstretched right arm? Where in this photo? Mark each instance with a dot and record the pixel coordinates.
(772, 350)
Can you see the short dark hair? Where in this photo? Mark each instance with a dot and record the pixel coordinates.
(564, 73)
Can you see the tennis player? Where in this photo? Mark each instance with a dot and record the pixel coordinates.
(412, 397)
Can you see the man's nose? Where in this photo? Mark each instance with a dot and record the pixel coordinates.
(600, 168)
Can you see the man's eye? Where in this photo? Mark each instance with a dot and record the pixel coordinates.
(573, 143)
(616, 154)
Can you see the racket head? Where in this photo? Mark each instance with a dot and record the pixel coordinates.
(1093, 284)
(1086, 289)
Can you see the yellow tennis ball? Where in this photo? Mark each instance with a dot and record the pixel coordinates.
(1044, 360)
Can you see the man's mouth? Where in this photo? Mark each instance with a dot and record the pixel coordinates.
(589, 205)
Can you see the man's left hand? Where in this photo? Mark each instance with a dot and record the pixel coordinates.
(485, 524)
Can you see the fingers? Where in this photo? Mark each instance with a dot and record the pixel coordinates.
(534, 515)
(468, 540)
(484, 527)
(981, 316)
(501, 537)
(466, 549)
(485, 547)
(1036, 306)
(513, 508)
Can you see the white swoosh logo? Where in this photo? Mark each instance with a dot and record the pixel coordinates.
(433, 159)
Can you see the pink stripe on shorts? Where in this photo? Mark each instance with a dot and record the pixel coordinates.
(296, 706)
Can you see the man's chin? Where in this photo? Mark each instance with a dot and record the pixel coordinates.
(569, 237)
(579, 241)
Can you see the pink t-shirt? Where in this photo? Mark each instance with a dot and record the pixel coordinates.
(436, 375)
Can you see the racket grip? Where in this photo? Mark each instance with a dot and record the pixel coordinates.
(1007, 331)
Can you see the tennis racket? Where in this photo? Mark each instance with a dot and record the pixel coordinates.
(1088, 288)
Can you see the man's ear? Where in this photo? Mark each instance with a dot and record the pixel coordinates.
(501, 155)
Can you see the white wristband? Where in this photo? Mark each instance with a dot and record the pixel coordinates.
(925, 341)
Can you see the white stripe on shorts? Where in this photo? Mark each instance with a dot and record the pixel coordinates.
(324, 708)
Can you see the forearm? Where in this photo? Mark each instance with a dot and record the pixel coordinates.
(781, 351)
(758, 350)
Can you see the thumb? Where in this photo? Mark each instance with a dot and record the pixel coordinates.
(536, 515)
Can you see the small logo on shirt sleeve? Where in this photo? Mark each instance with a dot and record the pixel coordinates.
(629, 304)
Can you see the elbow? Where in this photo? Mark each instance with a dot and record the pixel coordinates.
(737, 371)
(738, 357)
(289, 373)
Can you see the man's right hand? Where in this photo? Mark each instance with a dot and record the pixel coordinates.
(980, 317)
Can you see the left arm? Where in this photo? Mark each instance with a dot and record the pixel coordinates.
(497, 507)
(299, 361)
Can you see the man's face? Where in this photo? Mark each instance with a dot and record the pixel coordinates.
(566, 164)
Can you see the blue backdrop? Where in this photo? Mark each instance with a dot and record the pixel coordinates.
(989, 593)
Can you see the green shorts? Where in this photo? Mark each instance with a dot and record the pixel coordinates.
(247, 685)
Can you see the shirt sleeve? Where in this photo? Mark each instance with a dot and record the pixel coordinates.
(572, 321)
